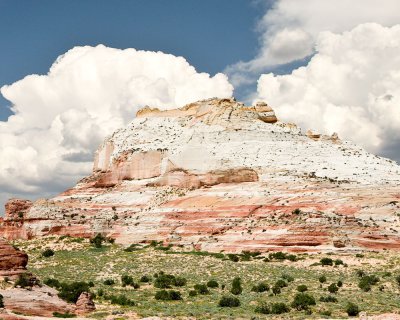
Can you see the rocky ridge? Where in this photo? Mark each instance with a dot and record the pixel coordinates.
(218, 175)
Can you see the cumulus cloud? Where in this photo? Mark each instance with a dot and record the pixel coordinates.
(289, 30)
(60, 118)
(350, 86)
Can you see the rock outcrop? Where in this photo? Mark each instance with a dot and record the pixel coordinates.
(218, 175)
(12, 260)
(85, 304)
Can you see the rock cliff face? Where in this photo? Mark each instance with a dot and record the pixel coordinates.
(218, 175)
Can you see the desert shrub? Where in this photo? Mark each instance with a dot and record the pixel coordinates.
(1, 301)
(63, 315)
(164, 281)
(168, 295)
(352, 309)
(366, 282)
(261, 287)
(302, 288)
(276, 290)
(179, 282)
(145, 278)
(328, 299)
(212, 284)
(70, 292)
(233, 257)
(121, 300)
(133, 247)
(98, 240)
(398, 279)
(302, 301)
(227, 301)
(326, 313)
(332, 288)
(338, 262)
(280, 283)
(359, 255)
(278, 255)
(164, 248)
(126, 280)
(192, 293)
(340, 283)
(263, 308)
(100, 292)
(48, 253)
(236, 286)
(292, 257)
(279, 308)
(108, 282)
(326, 262)
(322, 279)
(201, 288)
(51, 282)
(24, 280)
(287, 277)
(296, 211)
(360, 273)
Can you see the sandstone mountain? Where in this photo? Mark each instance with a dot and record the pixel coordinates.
(217, 175)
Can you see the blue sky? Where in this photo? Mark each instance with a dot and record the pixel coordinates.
(209, 34)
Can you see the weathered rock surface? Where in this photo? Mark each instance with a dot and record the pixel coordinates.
(85, 304)
(219, 175)
(12, 260)
(37, 301)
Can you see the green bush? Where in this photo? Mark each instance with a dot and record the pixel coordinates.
(51, 282)
(108, 282)
(326, 262)
(261, 287)
(227, 301)
(280, 283)
(279, 308)
(145, 278)
(322, 279)
(278, 255)
(328, 299)
(121, 300)
(236, 286)
(276, 290)
(63, 315)
(24, 280)
(296, 211)
(201, 288)
(98, 240)
(164, 281)
(192, 293)
(168, 295)
(340, 283)
(233, 257)
(292, 257)
(180, 282)
(332, 288)
(263, 308)
(302, 288)
(127, 280)
(352, 309)
(48, 253)
(1, 301)
(302, 301)
(70, 292)
(287, 277)
(366, 282)
(338, 262)
(212, 284)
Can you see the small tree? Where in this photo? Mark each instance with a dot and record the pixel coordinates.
(97, 241)
(302, 301)
(236, 286)
(352, 309)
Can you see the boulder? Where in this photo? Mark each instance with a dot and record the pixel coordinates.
(12, 260)
(85, 304)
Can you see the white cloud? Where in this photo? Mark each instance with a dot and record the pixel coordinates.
(288, 30)
(60, 118)
(350, 86)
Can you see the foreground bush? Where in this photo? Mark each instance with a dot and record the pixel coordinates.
(168, 295)
(352, 309)
(227, 301)
(302, 301)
